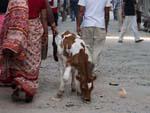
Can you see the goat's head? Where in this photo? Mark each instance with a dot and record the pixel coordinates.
(86, 86)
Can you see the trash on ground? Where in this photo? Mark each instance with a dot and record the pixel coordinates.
(113, 83)
(122, 93)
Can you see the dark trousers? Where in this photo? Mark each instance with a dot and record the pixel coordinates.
(56, 18)
(74, 9)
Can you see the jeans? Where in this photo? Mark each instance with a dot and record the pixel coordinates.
(74, 8)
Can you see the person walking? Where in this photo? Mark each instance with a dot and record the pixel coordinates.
(119, 8)
(54, 5)
(92, 23)
(139, 13)
(64, 9)
(130, 21)
(114, 6)
(20, 50)
(74, 7)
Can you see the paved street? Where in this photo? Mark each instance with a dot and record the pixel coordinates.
(127, 64)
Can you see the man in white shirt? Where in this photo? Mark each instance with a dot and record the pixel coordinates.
(92, 22)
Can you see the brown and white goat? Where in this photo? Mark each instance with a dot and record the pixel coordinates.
(75, 59)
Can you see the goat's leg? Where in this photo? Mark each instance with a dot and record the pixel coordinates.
(64, 75)
(73, 87)
(62, 84)
(77, 85)
(61, 88)
(64, 79)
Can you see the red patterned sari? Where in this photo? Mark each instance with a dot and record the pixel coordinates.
(21, 48)
(1, 21)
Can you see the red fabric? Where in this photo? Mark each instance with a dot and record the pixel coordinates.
(23, 68)
(35, 7)
(1, 21)
(51, 2)
(54, 9)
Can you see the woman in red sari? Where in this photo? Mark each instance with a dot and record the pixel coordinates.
(21, 46)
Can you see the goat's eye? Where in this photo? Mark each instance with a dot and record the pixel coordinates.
(83, 87)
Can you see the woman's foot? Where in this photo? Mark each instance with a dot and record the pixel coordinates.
(19, 95)
(15, 96)
(13, 86)
(28, 98)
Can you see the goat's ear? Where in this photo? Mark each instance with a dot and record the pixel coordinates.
(78, 78)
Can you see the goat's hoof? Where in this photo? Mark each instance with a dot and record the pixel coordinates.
(78, 93)
(60, 94)
(73, 90)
